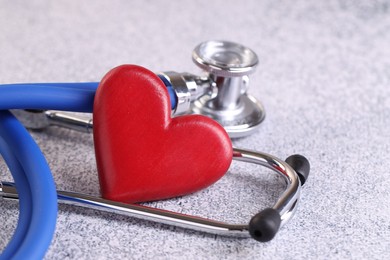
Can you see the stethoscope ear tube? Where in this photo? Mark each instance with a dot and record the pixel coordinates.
(265, 224)
(301, 166)
(262, 227)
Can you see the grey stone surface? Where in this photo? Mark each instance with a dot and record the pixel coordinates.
(324, 78)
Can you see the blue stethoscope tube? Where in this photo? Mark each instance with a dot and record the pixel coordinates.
(24, 204)
(76, 97)
(31, 173)
(38, 210)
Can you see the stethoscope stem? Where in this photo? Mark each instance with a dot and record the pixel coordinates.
(140, 212)
(284, 207)
(38, 120)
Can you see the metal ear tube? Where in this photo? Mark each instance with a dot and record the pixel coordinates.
(262, 227)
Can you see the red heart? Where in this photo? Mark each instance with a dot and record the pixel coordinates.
(142, 153)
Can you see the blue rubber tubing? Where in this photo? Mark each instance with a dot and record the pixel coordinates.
(41, 96)
(32, 176)
(42, 191)
(56, 96)
(25, 202)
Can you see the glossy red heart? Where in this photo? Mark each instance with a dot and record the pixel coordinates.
(142, 153)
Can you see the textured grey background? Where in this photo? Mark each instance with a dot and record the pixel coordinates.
(324, 78)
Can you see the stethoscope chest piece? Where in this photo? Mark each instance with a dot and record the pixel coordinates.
(228, 65)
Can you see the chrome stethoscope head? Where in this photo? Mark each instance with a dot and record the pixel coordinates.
(263, 226)
(228, 66)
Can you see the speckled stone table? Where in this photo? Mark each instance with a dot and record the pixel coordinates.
(324, 79)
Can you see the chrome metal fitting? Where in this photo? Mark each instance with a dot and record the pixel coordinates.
(182, 89)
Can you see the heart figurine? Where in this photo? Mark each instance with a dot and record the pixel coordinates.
(142, 153)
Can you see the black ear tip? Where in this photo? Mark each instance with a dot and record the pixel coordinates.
(300, 165)
(264, 225)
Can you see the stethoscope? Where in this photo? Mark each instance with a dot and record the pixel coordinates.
(220, 94)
